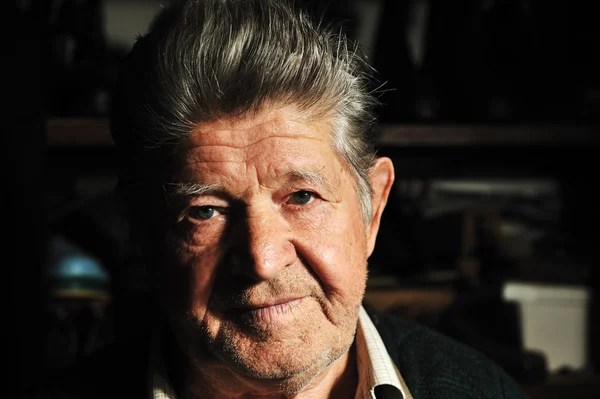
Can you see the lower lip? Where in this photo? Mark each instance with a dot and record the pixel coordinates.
(274, 314)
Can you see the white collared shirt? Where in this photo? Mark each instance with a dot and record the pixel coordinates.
(378, 377)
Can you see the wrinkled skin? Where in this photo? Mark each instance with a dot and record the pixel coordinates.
(264, 269)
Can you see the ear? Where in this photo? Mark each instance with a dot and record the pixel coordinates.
(382, 178)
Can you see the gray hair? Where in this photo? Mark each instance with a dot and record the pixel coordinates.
(207, 59)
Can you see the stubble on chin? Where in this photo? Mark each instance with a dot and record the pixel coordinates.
(287, 358)
(289, 377)
(257, 352)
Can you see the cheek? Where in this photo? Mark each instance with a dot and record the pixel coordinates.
(189, 273)
(334, 246)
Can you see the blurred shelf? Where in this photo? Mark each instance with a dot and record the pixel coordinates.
(467, 135)
(423, 299)
(74, 132)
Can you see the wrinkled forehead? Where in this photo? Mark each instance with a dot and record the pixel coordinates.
(250, 129)
(282, 126)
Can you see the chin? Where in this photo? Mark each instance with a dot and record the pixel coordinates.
(287, 372)
(282, 355)
(289, 364)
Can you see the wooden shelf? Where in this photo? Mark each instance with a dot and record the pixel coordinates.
(76, 132)
(68, 132)
(465, 135)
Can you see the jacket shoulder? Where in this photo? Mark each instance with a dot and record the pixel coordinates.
(436, 366)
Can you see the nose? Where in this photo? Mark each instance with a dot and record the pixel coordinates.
(264, 248)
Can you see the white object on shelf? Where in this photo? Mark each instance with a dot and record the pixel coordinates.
(553, 321)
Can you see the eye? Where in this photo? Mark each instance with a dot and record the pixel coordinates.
(203, 212)
(302, 197)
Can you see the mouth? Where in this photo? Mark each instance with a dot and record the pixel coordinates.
(271, 312)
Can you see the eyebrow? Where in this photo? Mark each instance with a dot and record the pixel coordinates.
(311, 175)
(195, 189)
(183, 189)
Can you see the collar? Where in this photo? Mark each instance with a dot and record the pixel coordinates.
(160, 386)
(378, 378)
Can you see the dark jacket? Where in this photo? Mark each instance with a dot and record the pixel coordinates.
(435, 366)
(432, 365)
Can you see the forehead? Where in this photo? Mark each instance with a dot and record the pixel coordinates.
(275, 148)
(273, 142)
(281, 123)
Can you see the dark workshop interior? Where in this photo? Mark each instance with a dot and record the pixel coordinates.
(491, 114)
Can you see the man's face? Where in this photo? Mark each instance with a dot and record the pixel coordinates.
(266, 257)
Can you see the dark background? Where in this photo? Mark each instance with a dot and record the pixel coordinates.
(503, 95)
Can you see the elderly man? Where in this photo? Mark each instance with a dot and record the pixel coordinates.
(256, 195)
